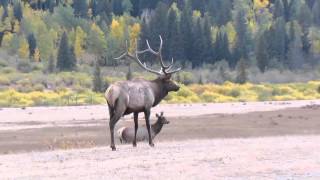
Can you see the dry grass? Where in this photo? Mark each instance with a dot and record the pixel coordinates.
(66, 144)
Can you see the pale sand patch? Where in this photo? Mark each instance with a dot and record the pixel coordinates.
(291, 157)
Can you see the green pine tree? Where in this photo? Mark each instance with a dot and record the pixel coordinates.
(262, 53)
(186, 31)
(316, 13)
(51, 64)
(97, 80)
(174, 38)
(17, 11)
(80, 8)
(278, 9)
(243, 42)
(66, 58)
(32, 44)
(242, 75)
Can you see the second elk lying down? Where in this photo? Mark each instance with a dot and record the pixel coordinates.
(126, 134)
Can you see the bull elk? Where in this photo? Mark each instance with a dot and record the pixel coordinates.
(139, 95)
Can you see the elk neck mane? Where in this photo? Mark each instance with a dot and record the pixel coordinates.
(159, 90)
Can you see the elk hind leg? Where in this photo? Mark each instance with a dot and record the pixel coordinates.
(118, 111)
(135, 117)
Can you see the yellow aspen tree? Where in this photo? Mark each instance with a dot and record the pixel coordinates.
(232, 34)
(116, 29)
(24, 49)
(261, 3)
(1, 10)
(79, 41)
(96, 40)
(36, 56)
(16, 27)
(5, 24)
(196, 14)
(134, 34)
(7, 38)
(315, 38)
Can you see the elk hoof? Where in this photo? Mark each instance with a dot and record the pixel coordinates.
(151, 144)
(134, 144)
(113, 148)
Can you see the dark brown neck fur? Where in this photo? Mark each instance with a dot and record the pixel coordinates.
(159, 91)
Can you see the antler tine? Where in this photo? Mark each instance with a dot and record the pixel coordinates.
(174, 71)
(125, 53)
(144, 66)
(121, 56)
(168, 70)
(164, 67)
(150, 49)
(170, 65)
(158, 54)
(136, 59)
(165, 70)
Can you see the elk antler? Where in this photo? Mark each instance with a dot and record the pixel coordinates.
(165, 70)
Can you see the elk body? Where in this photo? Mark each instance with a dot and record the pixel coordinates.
(139, 95)
(126, 134)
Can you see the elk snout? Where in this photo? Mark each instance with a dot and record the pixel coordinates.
(175, 86)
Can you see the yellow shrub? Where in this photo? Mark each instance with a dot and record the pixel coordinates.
(248, 96)
(208, 96)
(227, 92)
(283, 98)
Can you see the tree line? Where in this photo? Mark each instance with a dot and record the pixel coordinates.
(263, 33)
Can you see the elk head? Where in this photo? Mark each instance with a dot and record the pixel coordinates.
(162, 119)
(165, 72)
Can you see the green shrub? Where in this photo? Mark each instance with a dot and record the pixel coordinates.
(3, 63)
(185, 78)
(24, 88)
(7, 70)
(235, 93)
(24, 66)
(37, 67)
(4, 81)
(38, 87)
(79, 89)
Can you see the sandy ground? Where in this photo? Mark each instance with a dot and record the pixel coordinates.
(295, 157)
(263, 140)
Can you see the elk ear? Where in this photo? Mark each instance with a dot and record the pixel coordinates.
(157, 115)
(161, 114)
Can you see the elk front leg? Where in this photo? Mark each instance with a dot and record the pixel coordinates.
(147, 117)
(135, 118)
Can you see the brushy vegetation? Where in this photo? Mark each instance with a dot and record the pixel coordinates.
(231, 92)
(195, 93)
